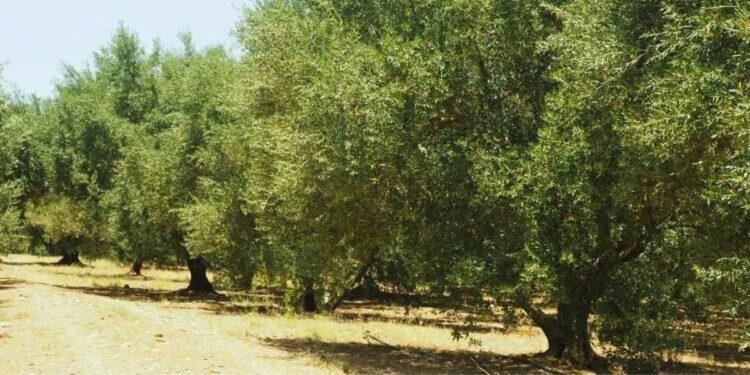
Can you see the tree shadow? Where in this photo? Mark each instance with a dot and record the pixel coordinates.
(377, 359)
(718, 340)
(12, 263)
(701, 368)
(45, 264)
(269, 301)
(481, 327)
(421, 311)
(117, 276)
(380, 298)
(214, 303)
(6, 283)
(723, 353)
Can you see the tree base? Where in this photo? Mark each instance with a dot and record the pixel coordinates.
(70, 259)
(135, 268)
(577, 354)
(199, 283)
(309, 305)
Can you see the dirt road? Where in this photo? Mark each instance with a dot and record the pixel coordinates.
(47, 329)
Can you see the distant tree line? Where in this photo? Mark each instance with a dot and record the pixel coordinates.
(587, 155)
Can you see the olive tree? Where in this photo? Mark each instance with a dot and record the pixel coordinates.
(322, 126)
(159, 179)
(634, 172)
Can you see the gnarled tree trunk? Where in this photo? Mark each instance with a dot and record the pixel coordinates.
(574, 321)
(567, 332)
(198, 280)
(70, 258)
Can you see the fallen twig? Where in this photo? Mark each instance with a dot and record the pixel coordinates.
(370, 336)
(479, 367)
(537, 365)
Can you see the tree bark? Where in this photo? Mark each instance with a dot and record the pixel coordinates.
(574, 320)
(136, 267)
(70, 258)
(198, 280)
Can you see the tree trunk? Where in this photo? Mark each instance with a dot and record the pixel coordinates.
(567, 332)
(549, 325)
(574, 320)
(308, 298)
(70, 258)
(198, 280)
(137, 266)
(246, 278)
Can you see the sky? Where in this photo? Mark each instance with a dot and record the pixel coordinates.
(38, 36)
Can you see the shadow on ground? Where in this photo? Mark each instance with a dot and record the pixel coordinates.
(379, 359)
(50, 264)
(262, 301)
(480, 327)
(215, 303)
(9, 283)
(702, 368)
(114, 277)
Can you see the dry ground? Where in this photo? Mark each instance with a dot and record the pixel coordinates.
(97, 320)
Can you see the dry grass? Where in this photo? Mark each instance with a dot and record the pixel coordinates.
(96, 273)
(362, 337)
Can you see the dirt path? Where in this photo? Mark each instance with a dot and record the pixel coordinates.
(47, 329)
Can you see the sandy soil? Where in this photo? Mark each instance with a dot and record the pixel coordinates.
(50, 330)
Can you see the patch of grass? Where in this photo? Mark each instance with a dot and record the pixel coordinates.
(95, 273)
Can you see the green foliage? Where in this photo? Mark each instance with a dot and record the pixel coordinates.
(321, 136)
(166, 155)
(61, 218)
(727, 281)
(12, 236)
(128, 75)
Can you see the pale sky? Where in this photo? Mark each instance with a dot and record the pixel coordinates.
(37, 36)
